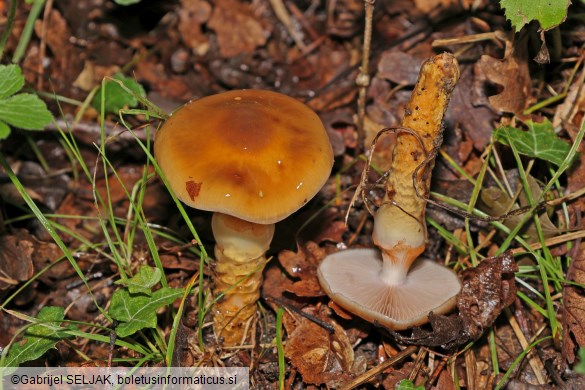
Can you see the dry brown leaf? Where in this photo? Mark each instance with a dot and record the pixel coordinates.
(507, 346)
(238, 29)
(382, 156)
(498, 202)
(339, 310)
(179, 262)
(340, 128)
(303, 265)
(395, 375)
(46, 253)
(512, 75)
(344, 17)
(487, 290)
(445, 381)
(427, 6)
(192, 15)
(15, 259)
(276, 283)
(574, 308)
(568, 111)
(56, 33)
(320, 357)
(399, 67)
(470, 110)
(333, 232)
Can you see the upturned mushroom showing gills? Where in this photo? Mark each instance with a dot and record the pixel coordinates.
(252, 157)
(393, 287)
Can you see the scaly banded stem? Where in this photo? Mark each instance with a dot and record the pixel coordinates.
(239, 253)
(399, 228)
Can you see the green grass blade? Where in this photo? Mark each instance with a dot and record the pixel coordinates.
(47, 225)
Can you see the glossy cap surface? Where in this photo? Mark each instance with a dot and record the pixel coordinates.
(256, 155)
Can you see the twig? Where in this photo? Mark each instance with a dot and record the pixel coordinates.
(363, 77)
(314, 319)
(493, 35)
(367, 376)
(470, 369)
(435, 375)
(553, 241)
(533, 359)
(283, 15)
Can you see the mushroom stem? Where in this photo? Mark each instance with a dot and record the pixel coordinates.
(397, 262)
(240, 259)
(423, 114)
(400, 220)
(393, 291)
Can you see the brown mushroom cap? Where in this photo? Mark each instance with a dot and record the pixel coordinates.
(353, 279)
(256, 155)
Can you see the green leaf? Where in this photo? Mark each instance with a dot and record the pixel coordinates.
(11, 80)
(540, 141)
(39, 338)
(548, 13)
(126, 2)
(138, 311)
(4, 130)
(143, 281)
(406, 384)
(116, 98)
(580, 367)
(497, 202)
(26, 111)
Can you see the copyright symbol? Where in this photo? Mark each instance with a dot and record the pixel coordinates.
(15, 379)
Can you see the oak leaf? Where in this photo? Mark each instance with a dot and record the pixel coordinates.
(512, 75)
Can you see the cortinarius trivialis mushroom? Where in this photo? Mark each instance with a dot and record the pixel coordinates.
(394, 287)
(253, 158)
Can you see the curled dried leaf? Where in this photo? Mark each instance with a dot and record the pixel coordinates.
(512, 74)
(574, 308)
(487, 290)
(15, 259)
(320, 357)
(302, 265)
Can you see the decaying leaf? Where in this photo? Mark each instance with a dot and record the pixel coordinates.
(303, 265)
(427, 6)
(15, 259)
(343, 17)
(320, 357)
(469, 109)
(497, 202)
(397, 375)
(399, 67)
(244, 39)
(574, 308)
(57, 35)
(487, 290)
(512, 75)
(192, 15)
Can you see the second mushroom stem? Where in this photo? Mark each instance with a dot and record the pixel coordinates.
(408, 185)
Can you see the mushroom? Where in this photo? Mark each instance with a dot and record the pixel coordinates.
(253, 158)
(394, 287)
